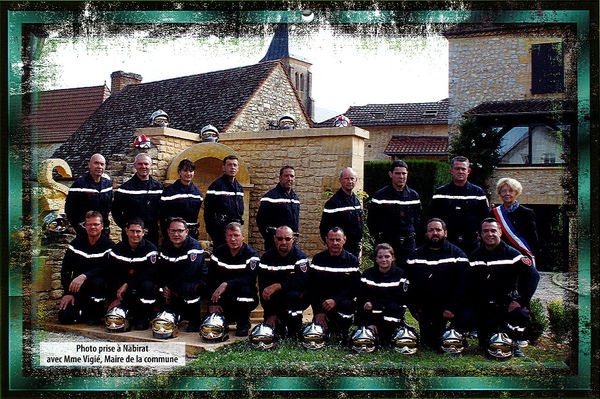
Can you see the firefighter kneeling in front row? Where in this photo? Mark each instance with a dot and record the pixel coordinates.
(232, 279)
(334, 281)
(383, 295)
(183, 273)
(504, 282)
(282, 280)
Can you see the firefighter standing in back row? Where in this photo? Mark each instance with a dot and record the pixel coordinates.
(279, 207)
(224, 202)
(461, 205)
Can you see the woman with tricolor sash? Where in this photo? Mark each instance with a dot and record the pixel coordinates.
(517, 222)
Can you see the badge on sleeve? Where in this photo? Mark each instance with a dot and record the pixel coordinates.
(193, 257)
(153, 258)
(304, 265)
(405, 285)
(253, 264)
(526, 260)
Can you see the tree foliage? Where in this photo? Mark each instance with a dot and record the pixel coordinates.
(481, 145)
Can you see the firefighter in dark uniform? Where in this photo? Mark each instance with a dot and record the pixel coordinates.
(344, 210)
(90, 192)
(133, 273)
(334, 282)
(383, 295)
(461, 205)
(282, 280)
(232, 279)
(279, 207)
(504, 281)
(182, 199)
(394, 213)
(183, 273)
(439, 273)
(224, 202)
(139, 197)
(83, 274)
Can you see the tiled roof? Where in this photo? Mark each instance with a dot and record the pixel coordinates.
(403, 145)
(433, 113)
(516, 107)
(278, 49)
(56, 114)
(191, 102)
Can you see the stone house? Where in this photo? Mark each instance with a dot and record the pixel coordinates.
(238, 99)
(520, 79)
(401, 131)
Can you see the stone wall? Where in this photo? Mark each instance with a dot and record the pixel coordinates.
(317, 155)
(497, 67)
(275, 97)
(379, 137)
(541, 185)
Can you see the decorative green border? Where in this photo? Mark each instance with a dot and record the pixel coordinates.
(579, 382)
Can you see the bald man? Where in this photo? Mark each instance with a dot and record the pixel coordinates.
(90, 192)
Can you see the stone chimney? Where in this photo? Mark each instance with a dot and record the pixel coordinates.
(120, 79)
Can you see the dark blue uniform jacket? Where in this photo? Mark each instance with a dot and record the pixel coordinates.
(291, 271)
(183, 264)
(278, 208)
(83, 258)
(394, 213)
(87, 195)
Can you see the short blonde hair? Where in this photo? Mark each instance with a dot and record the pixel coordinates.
(512, 183)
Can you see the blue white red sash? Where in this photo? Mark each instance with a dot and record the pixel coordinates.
(511, 233)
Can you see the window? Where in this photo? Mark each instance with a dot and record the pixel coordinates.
(547, 68)
(378, 115)
(297, 81)
(430, 113)
(301, 82)
(534, 144)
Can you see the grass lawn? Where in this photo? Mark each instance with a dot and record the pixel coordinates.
(291, 359)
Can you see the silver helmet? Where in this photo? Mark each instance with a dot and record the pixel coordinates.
(405, 340)
(453, 342)
(209, 133)
(262, 337)
(159, 118)
(500, 346)
(214, 328)
(286, 121)
(364, 340)
(313, 336)
(165, 325)
(116, 320)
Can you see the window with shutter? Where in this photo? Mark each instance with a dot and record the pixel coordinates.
(547, 68)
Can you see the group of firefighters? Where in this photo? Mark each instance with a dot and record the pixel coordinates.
(465, 279)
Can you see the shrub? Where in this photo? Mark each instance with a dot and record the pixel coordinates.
(538, 321)
(563, 319)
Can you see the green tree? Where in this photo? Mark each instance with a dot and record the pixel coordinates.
(481, 145)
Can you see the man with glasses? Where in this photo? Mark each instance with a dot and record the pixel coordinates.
(183, 273)
(280, 206)
(282, 279)
(133, 274)
(344, 210)
(83, 274)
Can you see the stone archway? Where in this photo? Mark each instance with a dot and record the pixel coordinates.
(208, 158)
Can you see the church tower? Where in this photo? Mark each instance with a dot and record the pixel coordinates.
(297, 69)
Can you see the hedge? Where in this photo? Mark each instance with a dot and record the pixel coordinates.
(424, 176)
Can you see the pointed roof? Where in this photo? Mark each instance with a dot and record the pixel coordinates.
(56, 114)
(279, 47)
(191, 102)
